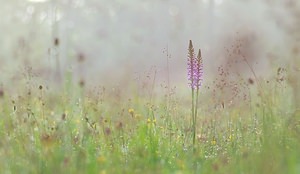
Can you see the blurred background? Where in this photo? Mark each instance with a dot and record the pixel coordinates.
(116, 41)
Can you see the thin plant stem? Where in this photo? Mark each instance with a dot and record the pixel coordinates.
(193, 115)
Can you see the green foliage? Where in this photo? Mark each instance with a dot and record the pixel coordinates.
(47, 132)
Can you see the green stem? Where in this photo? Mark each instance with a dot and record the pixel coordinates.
(193, 115)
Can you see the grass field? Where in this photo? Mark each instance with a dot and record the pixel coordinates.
(254, 128)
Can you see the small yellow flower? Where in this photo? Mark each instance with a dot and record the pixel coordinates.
(180, 164)
(150, 121)
(213, 141)
(131, 111)
(137, 116)
(101, 159)
(77, 121)
(103, 172)
(287, 147)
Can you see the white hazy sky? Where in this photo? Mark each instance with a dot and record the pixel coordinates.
(118, 37)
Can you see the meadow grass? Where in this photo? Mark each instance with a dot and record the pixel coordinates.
(114, 130)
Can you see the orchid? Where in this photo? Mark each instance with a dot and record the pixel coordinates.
(195, 74)
(195, 68)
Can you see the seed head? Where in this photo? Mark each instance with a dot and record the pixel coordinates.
(1, 93)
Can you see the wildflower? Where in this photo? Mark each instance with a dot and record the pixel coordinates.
(76, 137)
(66, 161)
(195, 67)
(48, 140)
(180, 164)
(213, 141)
(77, 121)
(103, 172)
(131, 111)
(101, 159)
(150, 121)
(154, 121)
(137, 116)
(195, 73)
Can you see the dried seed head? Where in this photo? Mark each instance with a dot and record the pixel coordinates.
(80, 57)
(63, 116)
(56, 41)
(1, 93)
(250, 81)
(119, 125)
(81, 83)
(107, 131)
